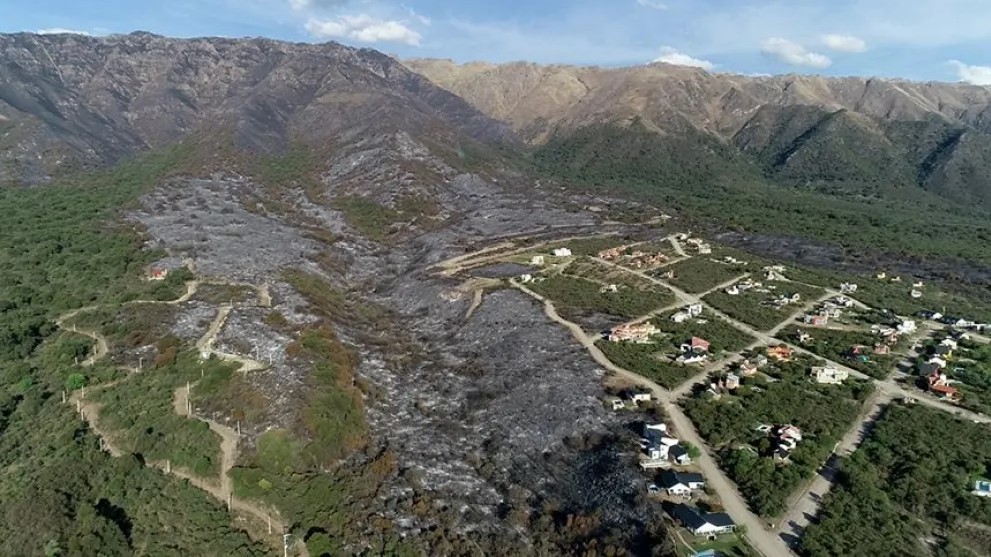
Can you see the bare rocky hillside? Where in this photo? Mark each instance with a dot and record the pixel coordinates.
(70, 100)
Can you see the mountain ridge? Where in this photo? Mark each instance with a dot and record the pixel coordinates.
(89, 102)
(849, 136)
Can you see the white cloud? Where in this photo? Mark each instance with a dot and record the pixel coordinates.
(672, 56)
(844, 43)
(652, 4)
(418, 16)
(975, 75)
(793, 53)
(62, 31)
(363, 28)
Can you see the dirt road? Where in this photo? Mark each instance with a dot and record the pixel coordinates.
(220, 488)
(806, 506)
(763, 540)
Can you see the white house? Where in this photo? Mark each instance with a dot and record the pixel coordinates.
(562, 252)
(525, 278)
(616, 403)
(916, 294)
(537, 260)
(702, 524)
(680, 456)
(681, 484)
(829, 375)
(695, 310)
(848, 288)
(982, 488)
(907, 327)
(680, 317)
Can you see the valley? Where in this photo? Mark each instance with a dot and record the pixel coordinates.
(279, 298)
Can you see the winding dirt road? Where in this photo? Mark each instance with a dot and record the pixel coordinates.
(220, 488)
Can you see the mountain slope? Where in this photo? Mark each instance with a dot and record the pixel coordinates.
(91, 101)
(853, 137)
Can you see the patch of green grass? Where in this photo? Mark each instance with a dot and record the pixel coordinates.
(369, 218)
(576, 297)
(836, 345)
(888, 501)
(140, 413)
(824, 412)
(647, 360)
(699, 274)
(216, 294)
(753, 308)
(722, 336)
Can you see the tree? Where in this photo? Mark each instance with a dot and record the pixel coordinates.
(693, 451)
(75, 381)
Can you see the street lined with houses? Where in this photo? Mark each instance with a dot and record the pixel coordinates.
(769, 539)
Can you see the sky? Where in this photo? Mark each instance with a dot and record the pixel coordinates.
(938, 40)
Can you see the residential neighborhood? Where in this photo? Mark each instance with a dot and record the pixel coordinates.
(724, 339)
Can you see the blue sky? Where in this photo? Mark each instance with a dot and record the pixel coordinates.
(944, 40)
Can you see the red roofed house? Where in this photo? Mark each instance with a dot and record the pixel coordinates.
(157, 273)
(939, 385)
(781, 353)
(699, 345)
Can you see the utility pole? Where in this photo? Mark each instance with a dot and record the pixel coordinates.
(269, 524)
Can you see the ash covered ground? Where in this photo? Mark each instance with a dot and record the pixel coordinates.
(500, 406)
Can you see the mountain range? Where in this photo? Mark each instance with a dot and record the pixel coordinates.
(868, 155)
(857, 134)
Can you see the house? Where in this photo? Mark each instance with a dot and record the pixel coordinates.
(928, 368)
(158, 273)
(701, 523)
(819, 320)
(705, 249)
(562, 252)
(881, 349)
(848, 288)
(609, 288)
(679, 455)
(526, 278)
(917, 284)
(804, 337)
(936, 360)
(825, 375)
(915, 294)
(635, 332)
(680, 484)
(949, 342)
(907, 326)
(537, 260)
(732, 381)
(939, 384)
(616, 403)
(692, 357)
(789, 431)
(733, 290)
(695, 310)
(881, 276)
(781, 454)
(982, 488)
(782, 353)
(640, 396)
(943, 350)
(680, 317)
(748, 368)
(699, 345)
(932, 315)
